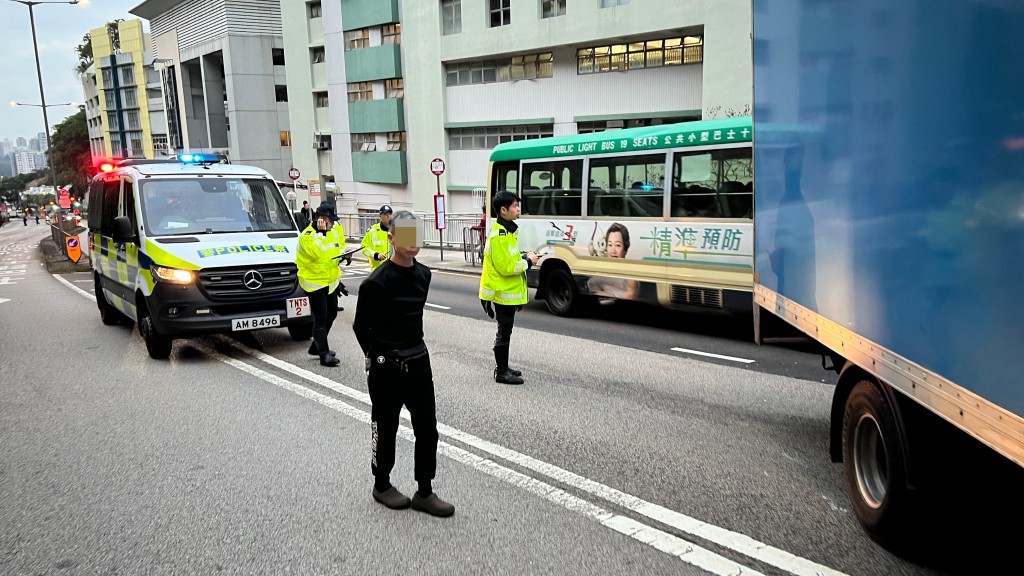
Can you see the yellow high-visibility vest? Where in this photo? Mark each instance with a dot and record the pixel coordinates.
(376, 242)
(317, 258)
(504, 276)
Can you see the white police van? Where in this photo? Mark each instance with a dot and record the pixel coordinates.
(191, 247)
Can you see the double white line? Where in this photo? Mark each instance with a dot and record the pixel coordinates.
(681, 548)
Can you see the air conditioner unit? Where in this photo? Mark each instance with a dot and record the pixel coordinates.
(322, 145)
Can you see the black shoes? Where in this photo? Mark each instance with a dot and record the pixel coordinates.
(432, 505)
(393, 499)
(506, 376)
(329, 360)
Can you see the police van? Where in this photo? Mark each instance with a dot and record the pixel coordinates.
(193, 246)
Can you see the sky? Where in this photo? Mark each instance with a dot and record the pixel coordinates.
(59, 28)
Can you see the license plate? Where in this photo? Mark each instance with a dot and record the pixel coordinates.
(298, 307)
(256, 323)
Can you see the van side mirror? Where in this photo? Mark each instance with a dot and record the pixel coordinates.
(123, 232)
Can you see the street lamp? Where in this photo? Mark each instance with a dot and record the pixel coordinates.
(39, 75)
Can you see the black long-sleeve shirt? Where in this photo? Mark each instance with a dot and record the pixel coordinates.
(389, 311)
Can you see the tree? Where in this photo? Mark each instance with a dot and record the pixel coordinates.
(84, 53)
(70, 153)
(11, 188)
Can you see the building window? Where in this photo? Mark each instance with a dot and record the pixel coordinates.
(321, 99)
(107, 78)
(160, 142)
(551, 8)
(355, 39)
(396, 141)
(610, 3)
(487, 137)
(364, 143)
(277, 55)
(501, 13)
(360, 91)
(316, 10)
(286, 137)
(391, 34)
(317, 55)
(281, 93)
(394, 88)
(127, 76)
(528, 66)
(133, 120)
(108, 97)
(130, 99)
(451, 16)
(649, 54)
(532, 66)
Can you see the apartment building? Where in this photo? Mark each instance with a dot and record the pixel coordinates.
(124, 109)
(217, 61)
(377, 88)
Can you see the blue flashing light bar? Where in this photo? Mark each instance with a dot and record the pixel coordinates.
(199, 158)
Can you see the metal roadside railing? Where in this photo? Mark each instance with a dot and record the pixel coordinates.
(62, 229)
(453, 236)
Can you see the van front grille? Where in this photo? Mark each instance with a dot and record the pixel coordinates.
(242, 283)
(708, 297)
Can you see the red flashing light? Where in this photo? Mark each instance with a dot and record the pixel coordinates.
(106, 167)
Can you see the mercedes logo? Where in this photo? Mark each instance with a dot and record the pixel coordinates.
(252, 280)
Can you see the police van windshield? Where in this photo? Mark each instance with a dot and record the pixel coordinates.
(212, 205)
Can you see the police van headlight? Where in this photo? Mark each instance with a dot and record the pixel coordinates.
(172, 275)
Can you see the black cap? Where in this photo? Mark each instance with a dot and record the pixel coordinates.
(386, 209)
(326, 209)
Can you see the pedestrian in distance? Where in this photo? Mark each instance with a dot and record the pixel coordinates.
(376, 246)
(307, 214)
(503, 281)
(389, 327)
(321, 245)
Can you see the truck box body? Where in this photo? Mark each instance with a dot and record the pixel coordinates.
(889, 219)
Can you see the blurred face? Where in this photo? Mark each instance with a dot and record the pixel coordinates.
(512, 212)
(616, 249)
(404, 251)
(385, 218)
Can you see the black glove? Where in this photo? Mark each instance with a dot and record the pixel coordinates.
(488, 308)
(341, 288)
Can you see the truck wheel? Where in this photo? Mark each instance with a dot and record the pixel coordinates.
(109, 315)
(874, 463)
(562, 296)
(158, 346)
(300, 332)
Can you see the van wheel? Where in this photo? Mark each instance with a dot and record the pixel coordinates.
(109, 315)
(158, 346)
(874, 464)
(300, 332)
(562, 298)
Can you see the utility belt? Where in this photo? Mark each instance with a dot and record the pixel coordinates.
(409, 360)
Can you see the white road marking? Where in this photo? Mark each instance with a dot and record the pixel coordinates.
(73, 287)
(83, 281)
(710, 355)
(683, 549)
(2, 300)
(734, 541)
(438, 306)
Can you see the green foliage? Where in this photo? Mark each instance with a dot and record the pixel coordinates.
(11, 188)
(70, 154)
(84, 53)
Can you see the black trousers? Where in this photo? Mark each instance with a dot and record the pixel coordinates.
(506, 317)
(324, 306)
(390, 388)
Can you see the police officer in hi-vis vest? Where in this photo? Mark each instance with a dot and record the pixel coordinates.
(503, 282)
(375, 244)
(320, 248)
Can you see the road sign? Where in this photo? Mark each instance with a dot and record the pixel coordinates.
(74, 248)
(293, 173)
(64, 199)
(76, 211)
(439, 216)
(314, 187)
(437, 166)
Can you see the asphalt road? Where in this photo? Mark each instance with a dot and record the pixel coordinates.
(242, 455)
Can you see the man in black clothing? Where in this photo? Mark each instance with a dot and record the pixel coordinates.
(389, 327)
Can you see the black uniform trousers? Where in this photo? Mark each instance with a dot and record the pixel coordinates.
(324, 306)
(390, 388)
(506, 318)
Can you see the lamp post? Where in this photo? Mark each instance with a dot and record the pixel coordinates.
(39, 75)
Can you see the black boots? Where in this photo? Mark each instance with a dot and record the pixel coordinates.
(327, 357)
(502, 373)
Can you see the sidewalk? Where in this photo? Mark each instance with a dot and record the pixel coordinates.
(454, 260)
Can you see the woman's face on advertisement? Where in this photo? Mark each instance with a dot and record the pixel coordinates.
(615, 247)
